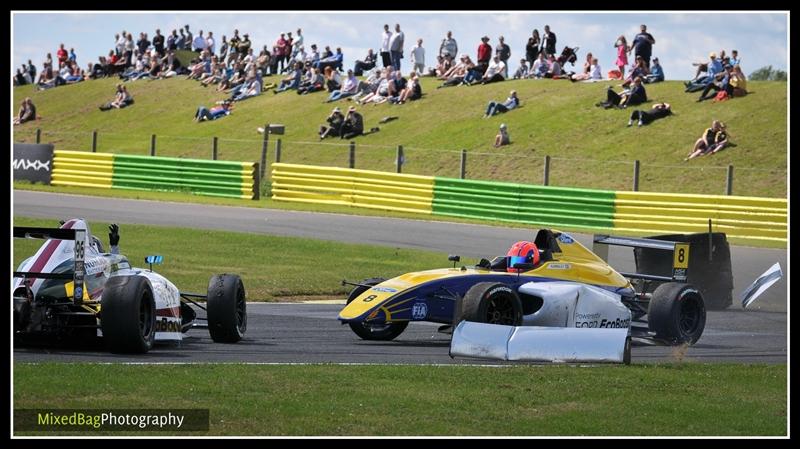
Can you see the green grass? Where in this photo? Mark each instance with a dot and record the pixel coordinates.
(591, 147)
(310, 207)
(272, 268)
(668, 399)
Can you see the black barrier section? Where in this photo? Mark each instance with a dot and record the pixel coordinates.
(104, 420)
(33, 162)
(714, 277)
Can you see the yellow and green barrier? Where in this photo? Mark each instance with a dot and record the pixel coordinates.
(746, 218)
(119, 171)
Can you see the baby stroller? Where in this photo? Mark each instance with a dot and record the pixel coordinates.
(568, 55)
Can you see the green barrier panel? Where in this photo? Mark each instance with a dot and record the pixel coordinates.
(553, 206)
(211, 178)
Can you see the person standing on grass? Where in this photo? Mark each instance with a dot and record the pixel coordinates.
(418, 57)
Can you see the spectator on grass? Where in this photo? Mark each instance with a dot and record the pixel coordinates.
(735, 60)
(180, 42)
(396, 46)
(502, 137)
(591, 73)
(659, 110)
(713, 140)
(367, 64)
(721, 83)
(643, 45)
(316, 82)
(353, 123)
(622, 55)
(335, 121)
(656, 74)
(334, 61)
(62, 54)
(495, 71)
(712, 69)
(214, 113)
(72, 56)
(504, 51)
(738, 82)
(27, 112)
(297, 44)
(418, 57)
(121, 99)
(540, 67)
(188, 40)
(211, 43)
(629, 97)
(172, 41)
(142, 44)
(349, 88)
(456, 75)
(554, 70)
(412, 90)
(333, 81)
(386, 54)
(292, 81)
(244, 45)
(532, 47)
(494, 107)
(549, 41)
(484, 55)
(639, 70)
(522, 70)
(448, 49)
(158, 42)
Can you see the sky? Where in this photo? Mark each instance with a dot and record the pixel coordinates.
(681, 38)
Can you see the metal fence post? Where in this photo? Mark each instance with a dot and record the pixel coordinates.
(278, 150)
(729, 181)
(546, 180)
(214, 147)
(463, 164)
(352, 154)
(399, 161)
(38, 135)
(153, 145)
(636, 175)
(264, 144)
(94, 141)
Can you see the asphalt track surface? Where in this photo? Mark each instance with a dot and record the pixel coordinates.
(310, 333)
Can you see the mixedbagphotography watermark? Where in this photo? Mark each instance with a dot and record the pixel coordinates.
(92, 420)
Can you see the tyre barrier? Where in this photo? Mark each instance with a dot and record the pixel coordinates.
(747, 219)
(120, 171)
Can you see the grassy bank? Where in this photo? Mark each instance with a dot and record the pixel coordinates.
(679, 399)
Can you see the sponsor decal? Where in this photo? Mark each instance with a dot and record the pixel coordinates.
(385, 289)
(164, 324)
(27, 164)
(558, 266)
(565, 238)
(605, 323)
(419, 311)
(78, 293)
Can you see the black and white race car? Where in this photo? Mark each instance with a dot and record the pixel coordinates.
(72, 288)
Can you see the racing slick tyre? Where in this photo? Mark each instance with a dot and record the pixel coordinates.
(492, 302)
(128, 314)
(385, 332)
(677, 313)
(227, 308)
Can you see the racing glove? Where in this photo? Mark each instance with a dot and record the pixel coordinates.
(113, 235)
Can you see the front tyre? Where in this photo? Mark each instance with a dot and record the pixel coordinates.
(677, 313)
(492, 302)
(227, 308)
(128, 314)
(384, 332)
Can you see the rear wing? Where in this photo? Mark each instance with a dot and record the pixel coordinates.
(680, 255)
(78, 235)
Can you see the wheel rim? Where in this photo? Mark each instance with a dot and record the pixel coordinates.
(691, 312)
(241, 311)
(376, 328)
(500, 311)
(145, 317)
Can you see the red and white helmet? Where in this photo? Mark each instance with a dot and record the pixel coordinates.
(521, 252)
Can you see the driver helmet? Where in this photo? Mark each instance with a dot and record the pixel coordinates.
(521, 252)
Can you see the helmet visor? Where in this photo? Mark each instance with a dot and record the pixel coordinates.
(513, 260)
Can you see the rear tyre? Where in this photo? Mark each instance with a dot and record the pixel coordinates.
(128, 314)
(227, 308)
(492, 302)
(677, 313)
(385, 332)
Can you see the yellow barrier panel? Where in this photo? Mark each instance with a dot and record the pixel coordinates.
(351, 187)
(82, 169)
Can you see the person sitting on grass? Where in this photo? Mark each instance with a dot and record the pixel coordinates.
(214, 113)
(714, 139)
(494, 72)
(353, 124)
(721, 83)
(502, 137)
(522, 70)
(659, 110)
(122, 99)
(27, 112)
(656, 74)
(628, 97)
(292, 81)
(314, 84)
(349, 88)
(335, 122)
(412, 91)
(494, 108)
